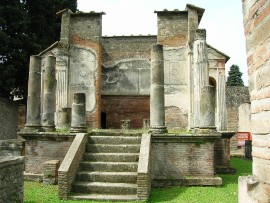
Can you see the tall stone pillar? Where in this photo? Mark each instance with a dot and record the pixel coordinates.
(78, 119)
(33, 117)
(201, 80)
(157, 109)
(49, 99)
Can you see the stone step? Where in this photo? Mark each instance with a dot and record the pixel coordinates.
(113, 177)
(117, 132)
(106, 148)
(105, 188)
(112, 157)
(104, 197)
(109, 166)
(114, 139)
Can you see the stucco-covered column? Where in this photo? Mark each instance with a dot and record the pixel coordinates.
(201, 74)
(33, 117)
(49, 98)
(157, 109)
(221, 104)
(78, 119)
(64, 118)
(207, 108)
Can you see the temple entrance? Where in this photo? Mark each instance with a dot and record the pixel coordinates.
(124, 109)
(103, 120)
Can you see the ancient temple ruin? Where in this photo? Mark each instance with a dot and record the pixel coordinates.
(114, 72)
(173, 80)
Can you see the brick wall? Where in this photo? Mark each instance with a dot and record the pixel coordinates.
(11, 181)
(257, 25)
(172, 28)
(87, 38)
(42, 147)
(121, 48)
(117, 108)
(235, 96)
(181, 157)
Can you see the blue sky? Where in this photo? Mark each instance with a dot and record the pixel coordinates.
(222, 20)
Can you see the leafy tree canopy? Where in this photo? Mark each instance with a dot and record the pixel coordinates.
(235, 77)
(26, 28)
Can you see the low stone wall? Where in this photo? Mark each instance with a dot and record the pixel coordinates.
(70, 164)
(144, 168)
(11, 179)
(11, 147)
(42, 147)
(183, 160)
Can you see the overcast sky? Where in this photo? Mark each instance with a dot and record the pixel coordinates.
(222, 20)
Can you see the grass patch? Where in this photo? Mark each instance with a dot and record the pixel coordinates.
(228, 192)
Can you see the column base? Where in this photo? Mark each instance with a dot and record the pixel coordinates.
(158, 130)
(48, 128)
(78, 129)
(32, 128)
(205, 130)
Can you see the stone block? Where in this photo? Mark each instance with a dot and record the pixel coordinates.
(11, 179)
(50, 172)
(243, 190)
(261, 168)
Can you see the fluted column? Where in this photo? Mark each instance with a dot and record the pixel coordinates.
(221, 104)
(202, 89)
(78, 119)
(157, 109)
(33, 117)
(49, 98)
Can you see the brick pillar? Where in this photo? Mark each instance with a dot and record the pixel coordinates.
(50, 172)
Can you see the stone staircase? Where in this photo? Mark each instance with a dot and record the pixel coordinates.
(108, 170)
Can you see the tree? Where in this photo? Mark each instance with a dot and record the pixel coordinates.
(235, 77)
(26, 28)
(45, 24)
(14, 45)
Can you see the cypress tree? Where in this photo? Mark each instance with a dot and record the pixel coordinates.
(235, 77)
